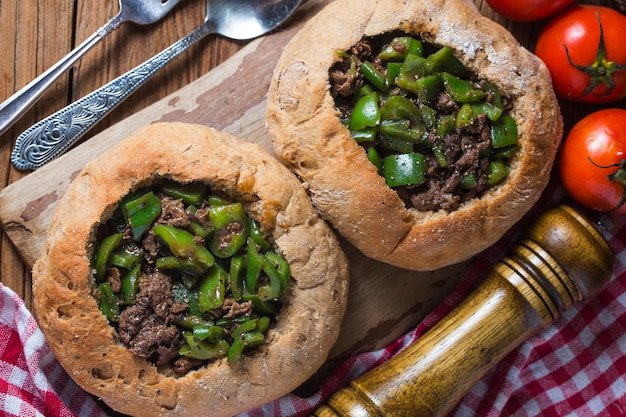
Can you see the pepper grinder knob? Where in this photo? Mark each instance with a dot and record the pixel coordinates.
(560, 260)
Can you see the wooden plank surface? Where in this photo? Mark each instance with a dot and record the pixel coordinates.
(384, 301)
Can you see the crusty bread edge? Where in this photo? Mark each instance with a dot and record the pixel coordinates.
(85, 344)
(345, 187)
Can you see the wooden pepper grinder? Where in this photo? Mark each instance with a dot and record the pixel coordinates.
(561, 260)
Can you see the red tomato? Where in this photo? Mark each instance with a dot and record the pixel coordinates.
(526, 11)
(592, 163)
(584, 65)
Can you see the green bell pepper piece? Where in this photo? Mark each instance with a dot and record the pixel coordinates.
(200, 349)
(235, 276)
(210, 333)
(106, 248)
(182, 243)
(413, 68)
(367, 134)
(404, 169)
(497, 171)
(443, 60)
(108, 302)
(188, 265)
(282, 268)
(468, 182)
(401, 108)
(393, 70)
(374, 76)
(255, 263)
(374, 157)
(504, 132)
(506, 152)
(129, 284)
(461, 91)
(212, 289)
(465, 116)
(401, 130)
(366, 112)
(190, 321)
(232, 228)
(190, 193)
(127, 256)
(399, 48)
(257, 235)
(141, 212)
(428, 88)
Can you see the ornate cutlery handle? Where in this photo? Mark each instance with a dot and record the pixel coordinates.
(16, 105)
(55, 134)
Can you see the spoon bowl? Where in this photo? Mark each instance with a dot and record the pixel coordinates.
(247, 19)
(52, 136)
(144, 12)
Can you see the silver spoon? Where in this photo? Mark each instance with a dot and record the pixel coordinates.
(243, 19)
(141, 12)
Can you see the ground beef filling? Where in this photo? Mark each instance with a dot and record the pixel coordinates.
(165, 321)
(467, 148)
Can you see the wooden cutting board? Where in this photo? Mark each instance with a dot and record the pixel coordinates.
(385, 302)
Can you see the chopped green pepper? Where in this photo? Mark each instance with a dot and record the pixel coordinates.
(374, 157)
(232, 228)
(210, 333)
(367, 134)
(106, 248)
(141, 212)
(462, 91)
(282, 267)
(183, 244)
(129, 285)
(255, 264)
(465, 116)
(401, 130)
(468, 182)
(108, 302)
(443, 60)
(127, 256)
(374, 76)
(366, 112)
(413, 68)
(257, 235)
(189, 265)
(235, 277)
(192, 193)
(504, 132)
(190, 321)
(404, 169)
(201, 349)
(399, 48)
(212, 289)
(497, 171)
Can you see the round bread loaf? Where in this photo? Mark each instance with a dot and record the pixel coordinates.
(89, 348)
(345, 187)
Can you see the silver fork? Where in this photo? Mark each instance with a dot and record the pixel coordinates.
(141, 12)
(49, 138)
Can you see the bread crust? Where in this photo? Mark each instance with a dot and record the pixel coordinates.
(86, 345)
(346, 189)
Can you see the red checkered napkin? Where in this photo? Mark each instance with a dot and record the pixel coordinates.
(577, 367)
(32, 383)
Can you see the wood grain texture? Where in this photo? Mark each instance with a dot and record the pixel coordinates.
(560, 260)
(218, 82)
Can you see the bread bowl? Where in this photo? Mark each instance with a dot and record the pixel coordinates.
(346, 188)
(90, 348)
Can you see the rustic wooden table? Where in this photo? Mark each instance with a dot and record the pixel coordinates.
(35, 34)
